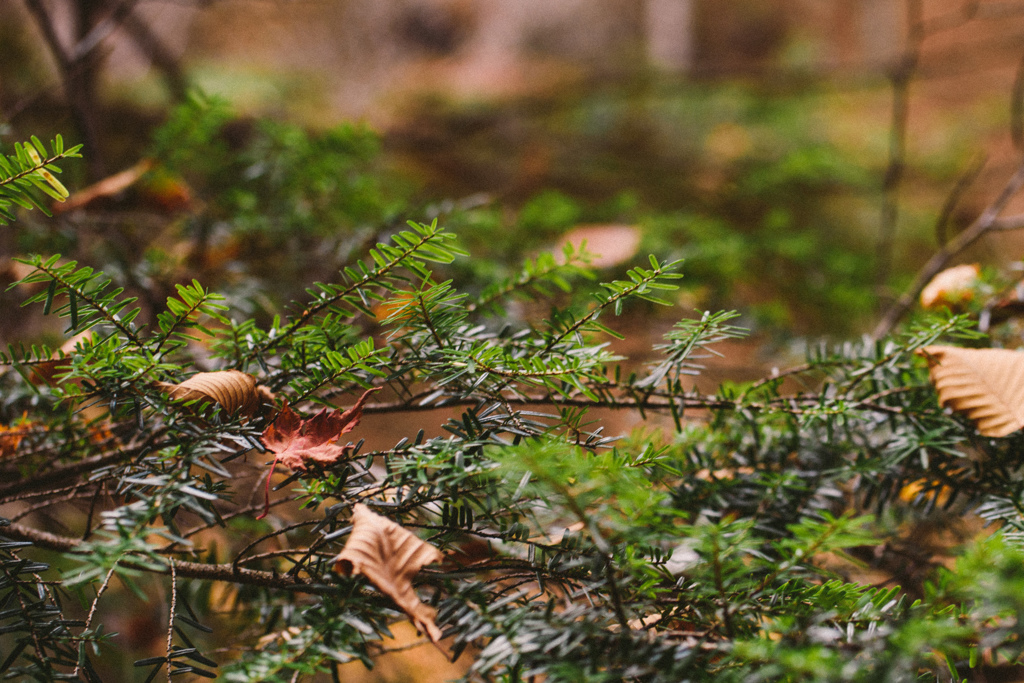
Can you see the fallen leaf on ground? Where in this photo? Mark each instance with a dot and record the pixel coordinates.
(232, 390)
(108, 187)
(913, 490)
(987, 385)
(389, 556)
(609, 245)
(11, 436)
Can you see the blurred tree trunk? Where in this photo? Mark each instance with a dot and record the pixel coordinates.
(80, 84)
(79, 67)
(670, 34)
(881, 32)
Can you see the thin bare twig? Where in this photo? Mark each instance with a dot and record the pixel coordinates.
(96, 602)
(170, 619)
(988, 221)
(956, 194)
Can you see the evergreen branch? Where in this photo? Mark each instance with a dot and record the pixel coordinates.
(86, 285)
(31, 169)
(543, 268)
(388, 258)
(193, 300)
(189, 570)
(642, 282)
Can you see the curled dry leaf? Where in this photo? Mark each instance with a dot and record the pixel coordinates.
(107, 187)
(645, 623)
(389, 556)
(232, 390)
(985, 384)
(952, 287)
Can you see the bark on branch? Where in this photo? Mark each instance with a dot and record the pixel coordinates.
(191, 570)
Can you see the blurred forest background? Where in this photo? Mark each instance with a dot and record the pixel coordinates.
(805, 157)
(801, 154)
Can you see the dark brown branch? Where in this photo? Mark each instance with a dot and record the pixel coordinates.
(190, 570)
(101, 30)
(78, 76)
(159, 55)
(663, 402)
(16, 489)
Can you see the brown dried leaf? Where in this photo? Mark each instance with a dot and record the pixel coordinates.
(952, 287)
(609, 245)
(389, 556)
(232, 390)
(45, 372)
(107, 187)
(645, 623)
(297, 442)
(985, 384)
(11, 436)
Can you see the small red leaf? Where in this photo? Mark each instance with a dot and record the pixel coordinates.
(297, 443)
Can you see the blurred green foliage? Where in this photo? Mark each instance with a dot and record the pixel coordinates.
(773, 216)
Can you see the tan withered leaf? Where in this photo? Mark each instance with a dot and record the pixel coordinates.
(985, 384)
(298, 443)
(108, 187)
(232, 390)
(45, 372)
(952, 287)
(389, 556)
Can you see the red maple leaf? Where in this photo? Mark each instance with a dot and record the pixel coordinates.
(298, 443)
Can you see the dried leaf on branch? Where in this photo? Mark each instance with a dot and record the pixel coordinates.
(11, 436)
(45, 372)
(985, 384)
(297, 442)
(108, 187)
(390, 556)
(952, 288)
(232, 390)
